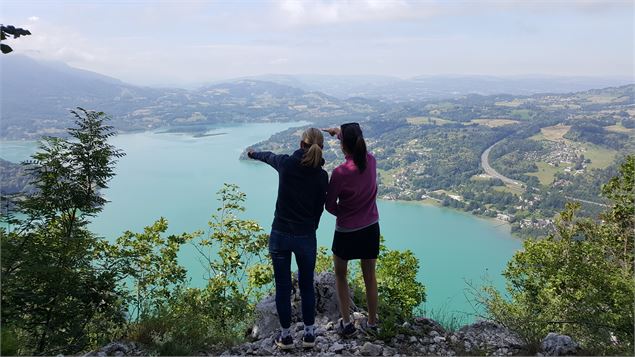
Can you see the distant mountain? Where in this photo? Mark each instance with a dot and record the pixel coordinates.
(14, 178)
(441, 86)
(37, 95)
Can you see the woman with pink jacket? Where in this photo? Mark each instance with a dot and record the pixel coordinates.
(351, 197)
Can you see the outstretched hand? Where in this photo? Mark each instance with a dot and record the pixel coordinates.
(332, 131)
(249, 152)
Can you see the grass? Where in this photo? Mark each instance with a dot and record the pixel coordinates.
(386, 176)
(545, 172)
(509, 188)
(600, 157)
(555, 133)
(428, 120)
(451, 321)
(523, 114)
(618, 128)
(604, 99)
(494, 123)
(512, 103)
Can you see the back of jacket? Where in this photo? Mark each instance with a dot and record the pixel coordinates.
(301, 192)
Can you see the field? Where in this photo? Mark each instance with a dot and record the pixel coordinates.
(512, 103)
(523, 114)
(386, 176)
(509, 188)
(600, 157)
(618, 128)
(493, 123)
(545, 173)
(555, 133)
(604, 99)
(428, 120)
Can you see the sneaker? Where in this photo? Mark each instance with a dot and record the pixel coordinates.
(346, 331)
(308, 340)
(284, 343)
(372, 331)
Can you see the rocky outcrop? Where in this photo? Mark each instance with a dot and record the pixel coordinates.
(558, 345)
(326, 305)
(487, 337)
(421, 336)
(119, 348)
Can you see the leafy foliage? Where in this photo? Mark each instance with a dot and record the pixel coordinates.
(242, 269)
(178, 320)
(399, 291)
(150, 261)
(58, 293)
(578, 281)
(13, 31)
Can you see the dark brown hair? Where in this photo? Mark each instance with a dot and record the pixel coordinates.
(354, 144)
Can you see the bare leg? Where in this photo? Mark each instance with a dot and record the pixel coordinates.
(341, 283)
(370, 280)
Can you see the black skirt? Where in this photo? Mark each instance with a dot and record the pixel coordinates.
(361, 244)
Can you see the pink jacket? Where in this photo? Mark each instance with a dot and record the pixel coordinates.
(351, 195)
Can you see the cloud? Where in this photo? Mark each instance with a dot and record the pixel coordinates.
(309, 13)
(59, 43)
(33, 18)
(279, 61)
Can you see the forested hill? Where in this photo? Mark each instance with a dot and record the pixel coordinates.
(433, 87)
(37, 95)
(559, 147)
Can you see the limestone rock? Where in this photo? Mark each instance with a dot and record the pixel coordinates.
(558, 345)
(489, 337)
(119, 348)
(371, 349)
(326, 305)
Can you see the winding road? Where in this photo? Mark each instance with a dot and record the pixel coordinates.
(490, 171)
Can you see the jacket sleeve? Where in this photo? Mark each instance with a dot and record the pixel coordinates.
(270, 158)
(332, 194)
(324, 183)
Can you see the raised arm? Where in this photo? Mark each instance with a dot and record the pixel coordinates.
(268, 157)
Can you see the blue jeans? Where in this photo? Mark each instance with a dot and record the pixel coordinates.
(281, 245)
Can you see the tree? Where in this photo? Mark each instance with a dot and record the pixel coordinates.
(150, 262)
(178, 320)
(578, 281)
(13, 31)
(58, 291)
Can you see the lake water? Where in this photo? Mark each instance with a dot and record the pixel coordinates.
(176, 176)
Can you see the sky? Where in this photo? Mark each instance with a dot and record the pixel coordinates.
(189, 42)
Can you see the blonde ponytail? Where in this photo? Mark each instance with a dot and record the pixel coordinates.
(314, 140)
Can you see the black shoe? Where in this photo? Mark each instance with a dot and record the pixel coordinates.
(284, 343)
(346, 331)
(308, 340)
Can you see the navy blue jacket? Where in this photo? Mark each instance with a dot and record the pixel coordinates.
(301, 192)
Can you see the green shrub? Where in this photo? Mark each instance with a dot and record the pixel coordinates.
(398, 289)
(177, 320)
(578, 281)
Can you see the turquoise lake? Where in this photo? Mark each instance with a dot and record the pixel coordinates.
(176, 176)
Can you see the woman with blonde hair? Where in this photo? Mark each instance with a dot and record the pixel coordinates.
(302, 185)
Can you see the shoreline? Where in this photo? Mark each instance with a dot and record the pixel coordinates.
(433, 203)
